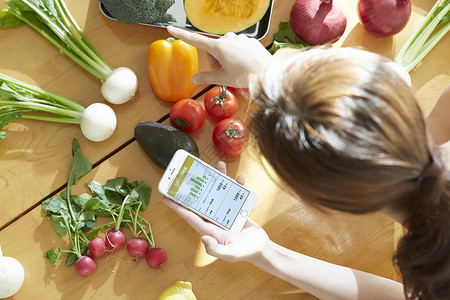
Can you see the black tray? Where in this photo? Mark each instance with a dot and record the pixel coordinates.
(176, 16)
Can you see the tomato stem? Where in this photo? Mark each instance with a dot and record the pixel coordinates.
(223, 96)
(181, 123)
(234, 133)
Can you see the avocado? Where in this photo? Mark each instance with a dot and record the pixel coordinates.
(160, 142)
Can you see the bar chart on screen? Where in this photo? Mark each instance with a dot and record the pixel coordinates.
(196, 184)
(208, 192)
(197, 180)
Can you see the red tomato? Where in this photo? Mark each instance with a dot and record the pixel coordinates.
(220, 103)
(230, 136)
(187, 115)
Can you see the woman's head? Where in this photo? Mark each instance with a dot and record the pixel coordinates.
(344, 131)
(341, 128)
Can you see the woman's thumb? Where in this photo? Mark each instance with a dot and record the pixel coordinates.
(211, 244)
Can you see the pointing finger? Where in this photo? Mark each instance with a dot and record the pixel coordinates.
(194, 39)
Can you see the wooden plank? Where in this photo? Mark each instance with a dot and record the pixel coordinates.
(39, 161)
(30, 157)
(34, 155)
(363, 242)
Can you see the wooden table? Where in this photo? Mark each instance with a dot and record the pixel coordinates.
(35, 159)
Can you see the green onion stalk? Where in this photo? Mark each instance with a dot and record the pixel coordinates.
(433, 28)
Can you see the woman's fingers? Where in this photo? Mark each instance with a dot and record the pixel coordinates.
(180, 210)
(214, 63)
(195, 221)
(222, 167)
(194, 39)
(240, 179)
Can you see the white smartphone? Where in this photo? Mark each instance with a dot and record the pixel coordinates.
(204, 190)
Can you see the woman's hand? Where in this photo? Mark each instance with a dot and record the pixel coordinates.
(232, 57)
(226, 245)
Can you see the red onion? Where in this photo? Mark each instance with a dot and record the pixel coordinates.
(318, 22)
(384, 18)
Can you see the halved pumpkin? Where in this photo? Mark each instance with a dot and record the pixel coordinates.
(222, 16)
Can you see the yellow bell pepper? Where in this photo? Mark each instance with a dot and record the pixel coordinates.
(182, 290)
(171, 64)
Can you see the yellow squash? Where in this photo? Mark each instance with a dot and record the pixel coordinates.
(222, 16)
(170, 65)
(182, 290)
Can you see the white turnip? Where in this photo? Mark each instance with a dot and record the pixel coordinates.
(22, 100)
(156, 257)
(137, 247)
(97, 247)
(115, 239)
(11, 276)
(52, 16)
(85, 265)
(120, 86)
(98, 122)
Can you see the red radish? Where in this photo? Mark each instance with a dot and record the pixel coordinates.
(85, 265)
(384, 18)
(137, 247)
(97, 246)
(318, 22)
(155, 257)
(115, 239)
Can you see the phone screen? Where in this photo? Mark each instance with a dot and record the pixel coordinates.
(207, 192)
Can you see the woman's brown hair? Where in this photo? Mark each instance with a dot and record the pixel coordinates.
(344, 131)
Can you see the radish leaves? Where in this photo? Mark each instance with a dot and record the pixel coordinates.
(75, 215)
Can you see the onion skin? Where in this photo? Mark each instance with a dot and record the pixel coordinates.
(384, 18)
(318, 22)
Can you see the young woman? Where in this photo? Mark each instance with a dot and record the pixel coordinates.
(344, 131)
